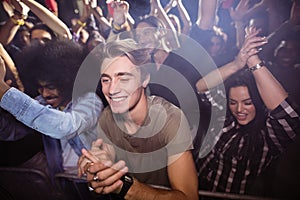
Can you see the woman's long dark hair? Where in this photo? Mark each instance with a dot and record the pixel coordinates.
(251, 132)
(245, 78)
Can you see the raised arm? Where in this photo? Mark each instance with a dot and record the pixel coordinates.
(185, 18)
(104, 24)
(207, 14)
(238, 15)
(217, 76)
(270, 90)
(11, 65)
(157, 10)
(17, 12)
(84, 114)
(81, 22)
(184, 15)
(50, 19)
(3, 86)
(120, 20)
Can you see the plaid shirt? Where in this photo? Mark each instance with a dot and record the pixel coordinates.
(236, 159)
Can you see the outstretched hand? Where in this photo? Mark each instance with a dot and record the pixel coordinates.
(18, 6)
(251, 46)
(238, 13)
(121, 9)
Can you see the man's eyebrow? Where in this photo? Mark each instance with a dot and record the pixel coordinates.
(124, 74)
(47, 85)
(104, 75)
(118, 74)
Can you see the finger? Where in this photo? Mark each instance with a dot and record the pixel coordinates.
(97, 144)
(253, 52)
(99, 182)
(102, 155)
(110, 150)
(8, 82)
(83, 165)
(79, 162)
(253, 40)
(111, 174)
(96, 167)
(254, 44)
(112, 178)
(89, 155)
(251, 33)
(99, 190)
(111, 188)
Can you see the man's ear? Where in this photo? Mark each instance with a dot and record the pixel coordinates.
(146, 81)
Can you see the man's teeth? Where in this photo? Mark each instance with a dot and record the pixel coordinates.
(117, 99)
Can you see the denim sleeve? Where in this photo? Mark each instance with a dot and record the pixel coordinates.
(80, 117)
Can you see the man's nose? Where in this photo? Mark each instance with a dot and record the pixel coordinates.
(114, 87)
(45, 92)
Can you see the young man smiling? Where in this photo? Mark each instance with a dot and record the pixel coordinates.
(149, 137)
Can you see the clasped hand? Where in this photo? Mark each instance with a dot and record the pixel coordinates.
(102, 172)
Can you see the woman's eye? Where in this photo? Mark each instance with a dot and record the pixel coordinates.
(248, 103)
(232, 103)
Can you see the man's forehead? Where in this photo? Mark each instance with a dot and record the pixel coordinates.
(43, 83)
(124, 64)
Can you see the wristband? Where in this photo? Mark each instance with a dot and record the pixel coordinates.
(19, 22)
(117, 28)
(82, 24)
(257, 66)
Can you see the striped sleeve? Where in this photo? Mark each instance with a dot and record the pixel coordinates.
(283, 125)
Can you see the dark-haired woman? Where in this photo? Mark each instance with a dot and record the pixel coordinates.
(261, 123)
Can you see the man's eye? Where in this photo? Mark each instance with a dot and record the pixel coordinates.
(124, 79)
(51, 87)
(104, 80)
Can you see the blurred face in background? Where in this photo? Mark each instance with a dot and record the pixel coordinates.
(287, 54)
(216, 46)
(147, 36)
(41, 36)
(23, 39)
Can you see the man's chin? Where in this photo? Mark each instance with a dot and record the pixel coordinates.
(119, 111)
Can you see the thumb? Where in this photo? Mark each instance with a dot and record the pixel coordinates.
(97, 144)
(8, 82)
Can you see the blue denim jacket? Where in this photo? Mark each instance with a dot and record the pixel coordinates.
(78, 119)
